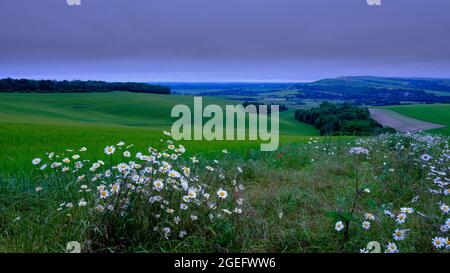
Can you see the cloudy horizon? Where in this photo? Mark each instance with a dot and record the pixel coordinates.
(226, 41)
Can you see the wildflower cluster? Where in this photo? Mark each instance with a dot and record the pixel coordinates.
(162, 190)
(430, 156)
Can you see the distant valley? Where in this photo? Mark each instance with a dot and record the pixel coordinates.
(360, 90)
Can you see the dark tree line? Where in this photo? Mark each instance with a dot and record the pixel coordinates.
(340, 119)
(77, 86)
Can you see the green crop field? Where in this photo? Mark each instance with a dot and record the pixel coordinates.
(32, 124)
(435, 113)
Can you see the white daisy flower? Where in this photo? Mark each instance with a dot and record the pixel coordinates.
(389, 213)
(366, 225)
(369, 216)
(391, 248)
(158, 184)
(82, 203)
(438, 242)
(186, 171)
(170, 211)
(174, 174)
(122, 167)
(109, 150)
(222, 193)
(401, 218)
(194, 159)
(182, 234)
(78, 165)
(36, 161)
(444, 208)
(192, 193)
(104, 194)
(166, 231)
(399, 234)
(115, 187)
(407, 210)
(339, 226)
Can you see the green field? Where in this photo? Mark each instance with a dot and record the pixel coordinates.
(435, 113)
(32, 124)
(291, 199)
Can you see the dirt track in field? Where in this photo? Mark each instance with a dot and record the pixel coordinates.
(400, 122)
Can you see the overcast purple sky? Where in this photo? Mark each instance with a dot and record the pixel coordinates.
(223, 40)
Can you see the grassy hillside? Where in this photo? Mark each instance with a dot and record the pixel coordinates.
(32, 124)
(111, 110)
(435, 113)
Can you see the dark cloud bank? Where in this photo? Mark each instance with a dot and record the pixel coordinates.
(223, 40)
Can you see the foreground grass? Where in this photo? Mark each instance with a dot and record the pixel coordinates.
(293, 198)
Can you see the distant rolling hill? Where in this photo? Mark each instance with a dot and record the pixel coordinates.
(377, 90)
(388, 83)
